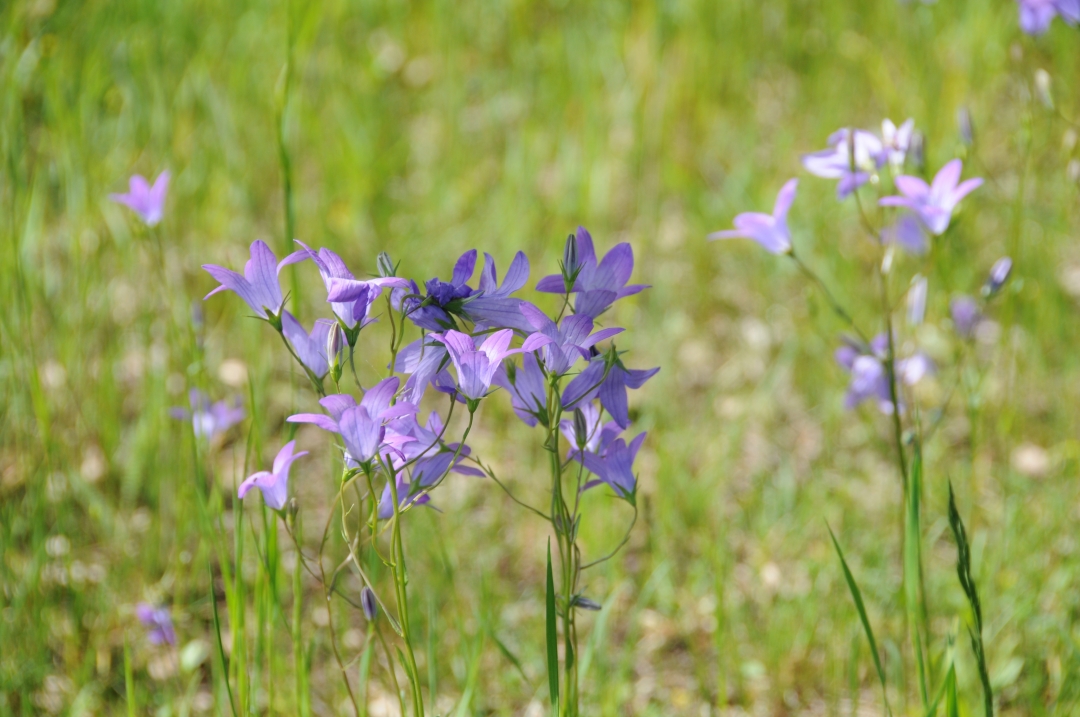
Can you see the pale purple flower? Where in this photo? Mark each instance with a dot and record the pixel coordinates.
(907, 232)
(444, 299)
(770, 231)
(870, 378)
(933, 203)
(476, 365)
(597, 435)
(209, 419)
(966, 315)
(145, 200)
(896, 141)
(1036, 15)
(527, 388)
(999, 274)
(916, 300)
(613, 390)
(585, 386)
(258, 286)
(310, 348)
(852, 157)
(615, 466)
(158, 623)
(426, 360)
(492, 306)
(561, 347)
(598, 285)
(274, 485)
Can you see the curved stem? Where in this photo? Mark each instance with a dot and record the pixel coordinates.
(618, 547)
(833, 303)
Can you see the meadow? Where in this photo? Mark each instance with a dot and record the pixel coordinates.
(424, 130)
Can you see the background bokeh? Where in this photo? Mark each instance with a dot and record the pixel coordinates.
(426, 129)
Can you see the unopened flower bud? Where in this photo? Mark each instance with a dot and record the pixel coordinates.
(368, 603)
(1042, 88)
(581, 428)
(385, 264)
(585, 603)
(917, 153)
(967, 130)
(917, 300)
(999, 274)
(570, 266)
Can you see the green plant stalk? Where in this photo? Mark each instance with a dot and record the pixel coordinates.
(297, 640)
(129, 681)
(912, 573)
(397, 568)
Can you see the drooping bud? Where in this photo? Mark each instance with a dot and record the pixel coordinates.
(999, 274)
(334, 343)
(369, 604)
(917, 300)
(581, 429)
(967, 129)
(385, 265)
(585, 603)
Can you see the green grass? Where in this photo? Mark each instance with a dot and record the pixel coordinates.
(428, 129)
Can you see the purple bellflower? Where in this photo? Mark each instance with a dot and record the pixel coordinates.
(274, 485)
(595, 438)
(585, 386)
(896, 141)
(907, 232)
(615, 466)
(613, 390)
(145, 200)
(492, 306)
(933, 203)
(869, 377)
(852, 157)
(770, 231)
(1036, 15)
(476, 365)
(444, 298)
(310, 348)
(158, 623)
(368, 603)
(966, 315)
(527, 388)
(999, 274)
(597, 285)
(258, 286)
(562, 346)
(209, 419)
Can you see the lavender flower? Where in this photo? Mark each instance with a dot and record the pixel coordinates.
(966, 315)
(158, 623)
(492, 306)
(591, 436)
(597, 286)
(258, 286)
(145, 200)
(1036, 15)
(615, 466)
(870, 378)
(896, 141)
(435, 311)
(770, 231)
(274, 485)
(934, 203)
(476, 365)
(851, 157)
(310, 348)
(999, 274)
(209, 419)
(907, 232)
(369, 604)
(425, 360)
(613, 390)
(527, 389)
(563, 346)
(585, 386)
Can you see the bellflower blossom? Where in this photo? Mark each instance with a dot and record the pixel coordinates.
(933, 203)
(596, 437)
(444, 298)
(158, 623)
(613, 390)
(597, 285)
(852, 157)
(310, 348)
(476, 365)
(615, 466)
(896, 141)
(491, 306)
(145, 200)
(907, 232)
(1036, 15)
(870, 378)
(999, 274)
(258, 286)
(209, 419)
(274, 485)
(585, 386)
(527, 387)
(966, 315)
(770, 231)
(562, 346)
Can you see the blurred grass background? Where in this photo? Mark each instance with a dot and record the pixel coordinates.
(430, 128)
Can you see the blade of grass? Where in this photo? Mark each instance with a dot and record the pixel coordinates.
(856, 595)
(552, 638)
(913, 569)
(220, 645)
(129, 682)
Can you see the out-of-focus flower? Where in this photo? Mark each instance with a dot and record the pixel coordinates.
(562, 346)
(597, 285)
(258, 286)
(917, 300)
(274, 485)
(209, 419)
(310, 348)
(852, 157)
(907, 232)
(1036, 15)
(770, 231)
(966, 315)
(145, 200)
(896, 141)
(526, 386)
(615, 466)
(158, 624)
(476, 365)
(869, 376)
(933, 203)
(999, 274)
(965, 125)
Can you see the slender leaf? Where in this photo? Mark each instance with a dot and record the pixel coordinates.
(913, 588)
(856, 595)
(552, 637)
(129, 681)
(220, 645)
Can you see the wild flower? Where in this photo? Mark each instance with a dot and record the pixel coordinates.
(999, 274)
(869, 372)
(597, 285)
(209, 419)
(966, 315)
(614, 465)
(311, 348)
(1036, 15)
(770, 231)
(476, 365)
(258, 286)
(274, 484)
(145, 200)
(562, 346)
(158, 623)
(852, 157)
(933, 203)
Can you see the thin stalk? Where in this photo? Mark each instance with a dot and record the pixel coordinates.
(397, 568)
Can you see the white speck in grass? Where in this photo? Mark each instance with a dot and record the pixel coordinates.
(233, 372)
(53, 375)
(57, 546)
(1030, 460)
(93, 464)
(320, 616)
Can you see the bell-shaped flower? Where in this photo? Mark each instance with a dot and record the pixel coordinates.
(258, 285)
(615, 466)
(585, 386)
(527, 388)
(966, 315)
(444, 298)
(145, 200)
(1036, 15)
(425, 360)
(597, 285)
(933, 203)
(852, 157)
(896, 141)
(310, 348)
(869, 376)
(274, 485)
(562, 346)
(999, 274)
(907, 232)
(335, 404)
(492, 306)
(594, 436)
(209, 419)
(476, 365)
(613, 390)
(770, 231)
(158, 624)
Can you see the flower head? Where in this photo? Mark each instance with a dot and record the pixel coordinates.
(852, 157)
(444, 298)
(999, 274)
(869, 376)
(896, 141)
(933, 204)
(597, 285)
(770, 231)
(527, 389)
(310, 348)
(158, 623)
(562, 346)
(614, 466)
(966, 315)
(491, 306)
(1036, 15)
(274, 485)
(145, 200)
(591, 435)
(613, 390)
(258, 286)
(476, 365)
(209, 419)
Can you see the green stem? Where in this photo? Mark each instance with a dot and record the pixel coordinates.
(397, 567)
